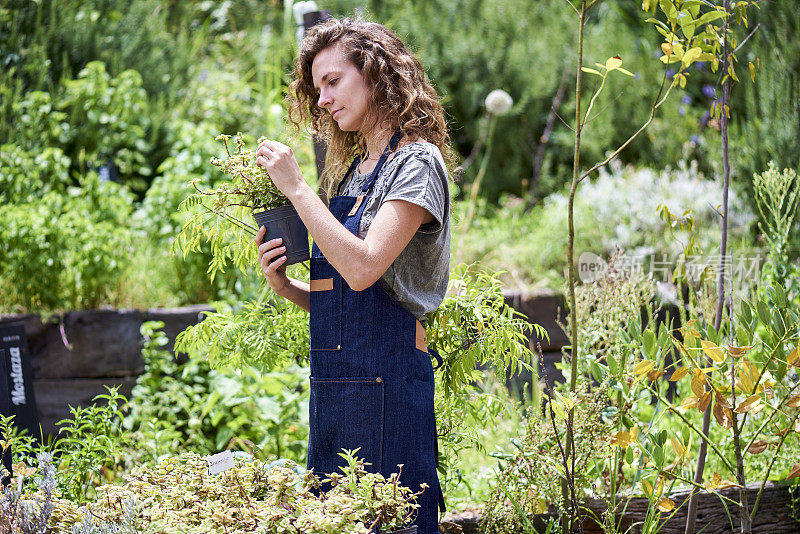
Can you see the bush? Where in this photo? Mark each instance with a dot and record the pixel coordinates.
(64, 251)
(618, 209)
(193, 406)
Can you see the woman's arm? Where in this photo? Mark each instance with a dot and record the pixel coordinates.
(275, 271)
(360, 262)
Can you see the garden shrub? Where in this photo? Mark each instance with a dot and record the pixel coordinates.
(108, 122)
(64, 251)
(179, 496)
(618, 209)
(191, 405)
(26, 176)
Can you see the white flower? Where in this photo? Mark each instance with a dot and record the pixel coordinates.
(498, 102)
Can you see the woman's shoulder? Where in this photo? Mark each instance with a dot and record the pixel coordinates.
(416, 150)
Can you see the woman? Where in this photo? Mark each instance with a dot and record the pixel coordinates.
(380, 259)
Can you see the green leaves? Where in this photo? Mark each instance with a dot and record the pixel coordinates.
(474, 325)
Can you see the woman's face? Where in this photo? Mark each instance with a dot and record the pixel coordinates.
(342, 89)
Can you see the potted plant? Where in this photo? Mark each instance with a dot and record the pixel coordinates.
(249, 186)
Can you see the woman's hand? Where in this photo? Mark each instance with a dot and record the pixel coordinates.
(279, 161)
(275, 271)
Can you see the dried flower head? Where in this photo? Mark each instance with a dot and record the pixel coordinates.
(498, 102)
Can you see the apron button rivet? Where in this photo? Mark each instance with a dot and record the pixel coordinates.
(378, 380)
(338, 347)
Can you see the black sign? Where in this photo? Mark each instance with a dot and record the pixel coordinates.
(17, 381)
(5, 409)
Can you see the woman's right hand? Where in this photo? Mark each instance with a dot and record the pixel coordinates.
(274, 271)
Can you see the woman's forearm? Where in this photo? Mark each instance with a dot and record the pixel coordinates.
(348, 254)
(297, 292)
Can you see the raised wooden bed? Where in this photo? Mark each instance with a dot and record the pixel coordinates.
(104, 349)
(712, 516)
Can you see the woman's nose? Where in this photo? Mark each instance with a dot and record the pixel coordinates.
(324, 98)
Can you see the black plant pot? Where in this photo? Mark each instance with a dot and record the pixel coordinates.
(284, 222)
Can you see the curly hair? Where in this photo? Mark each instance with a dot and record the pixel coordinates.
(400, 92)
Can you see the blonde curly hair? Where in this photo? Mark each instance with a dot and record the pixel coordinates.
(400, 92)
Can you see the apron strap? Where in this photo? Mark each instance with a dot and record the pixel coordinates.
(350, 169)
(435, 354)
(398, 134)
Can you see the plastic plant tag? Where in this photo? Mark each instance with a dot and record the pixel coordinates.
(217, 463)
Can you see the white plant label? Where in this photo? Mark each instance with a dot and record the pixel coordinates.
(217, 463)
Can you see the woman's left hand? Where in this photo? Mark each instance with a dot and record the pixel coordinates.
(279, 161)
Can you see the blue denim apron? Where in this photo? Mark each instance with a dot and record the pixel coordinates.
(371, 386)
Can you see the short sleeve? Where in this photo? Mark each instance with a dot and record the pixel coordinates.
(421, 179)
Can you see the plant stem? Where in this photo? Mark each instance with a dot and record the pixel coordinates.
(691, 513)
(576, 158)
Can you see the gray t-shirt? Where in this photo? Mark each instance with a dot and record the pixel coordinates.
(418, 278)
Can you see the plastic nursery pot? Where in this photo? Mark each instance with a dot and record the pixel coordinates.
(284, 222)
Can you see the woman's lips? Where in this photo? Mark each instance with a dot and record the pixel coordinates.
(333, 115)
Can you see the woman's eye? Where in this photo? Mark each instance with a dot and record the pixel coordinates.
(333, 81)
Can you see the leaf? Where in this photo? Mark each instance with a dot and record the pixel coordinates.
(747, 404)
(622, 439)
(591, 71)
(704, 402)
(795, 472)
(712, 350)
(794, 402)
(794, 357)
(613, 63)
(679, 373)
(655, 374)
(710, 17)
(643, 367)
(668, 8)
(738, 352)
(647, 488)
(752, 71)
(666, 505)
(689, 402)
(757, 447)
(666, 48)
(719, 413)
(649, 343)
(677, 446)
(691, 55)
(698, 385)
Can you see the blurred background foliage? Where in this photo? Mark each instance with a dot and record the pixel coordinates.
(109, 107)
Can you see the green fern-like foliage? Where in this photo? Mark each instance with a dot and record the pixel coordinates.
(222, 216)
(474, 325)
(266, 336)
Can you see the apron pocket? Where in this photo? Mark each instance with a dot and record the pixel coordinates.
(345, 413)
(325, 322)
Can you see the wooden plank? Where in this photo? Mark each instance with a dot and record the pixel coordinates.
(712, 516)
(54, 397)
(102, 343)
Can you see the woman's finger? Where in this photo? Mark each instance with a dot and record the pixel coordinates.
(267, 256)
(260, 235)
(273, 267)
(263, 150)
(272, 243)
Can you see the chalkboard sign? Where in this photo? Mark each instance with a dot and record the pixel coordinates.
(17, 381)
(5, 408)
